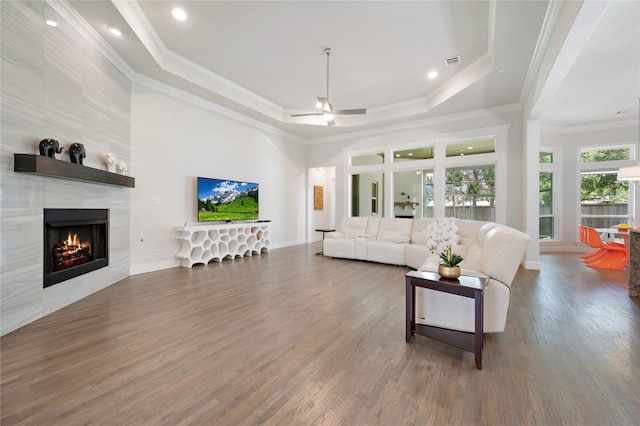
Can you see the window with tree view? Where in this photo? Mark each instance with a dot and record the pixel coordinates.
(548, 178)
(470, 193)
(604, 201)
(546, 206)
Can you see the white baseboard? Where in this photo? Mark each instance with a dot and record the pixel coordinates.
(151, 267)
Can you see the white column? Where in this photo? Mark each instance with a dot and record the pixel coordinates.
(531, 190)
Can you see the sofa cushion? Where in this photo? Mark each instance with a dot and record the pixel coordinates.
(391, 229)
(372, 227)
(417, 236)
(339, 247)
(415, 254)
(385, 252)
(353, 227)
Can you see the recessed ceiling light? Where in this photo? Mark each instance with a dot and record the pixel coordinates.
(179, 14)
(51, 23)
(397, 155)
(469, 147)
(410, 154)
(432, 74)
(115, 31)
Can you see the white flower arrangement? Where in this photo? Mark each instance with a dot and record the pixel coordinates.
(440, 234)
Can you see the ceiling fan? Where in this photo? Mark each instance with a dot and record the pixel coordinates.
(326, 109)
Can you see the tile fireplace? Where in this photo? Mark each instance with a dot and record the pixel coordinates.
(76, 241)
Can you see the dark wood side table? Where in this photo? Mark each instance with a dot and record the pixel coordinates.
(472, 287)
(324, 231)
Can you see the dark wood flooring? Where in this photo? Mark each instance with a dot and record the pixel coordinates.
(290, 338)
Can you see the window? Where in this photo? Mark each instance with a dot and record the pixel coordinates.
(604, 201)
(433, 178)
(413, 154)
(471, 148)
(549, 200)
(546, 206)
(429, 190)
(374, 197)
(366, 160)
(546, 157)
(599, 154)
(470, 193)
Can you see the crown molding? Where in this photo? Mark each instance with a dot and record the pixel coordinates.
(427, 122)
(590, 127)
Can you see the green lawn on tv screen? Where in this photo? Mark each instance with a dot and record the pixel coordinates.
(243, 208)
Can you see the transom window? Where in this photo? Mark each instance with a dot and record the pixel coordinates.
(471, 148)
(365, 160)
(596, 155)
(413, 154)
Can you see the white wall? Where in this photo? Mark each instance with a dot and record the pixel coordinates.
(176, 138)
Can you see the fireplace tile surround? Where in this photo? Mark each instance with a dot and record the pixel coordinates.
(56, 84)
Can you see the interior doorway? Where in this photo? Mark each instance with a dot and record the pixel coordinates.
(322, 201)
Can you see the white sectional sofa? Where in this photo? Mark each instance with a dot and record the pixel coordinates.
(489, 250)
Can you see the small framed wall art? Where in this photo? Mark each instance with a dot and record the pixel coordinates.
(318, 197)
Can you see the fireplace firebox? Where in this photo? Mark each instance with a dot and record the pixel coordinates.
(76, 241)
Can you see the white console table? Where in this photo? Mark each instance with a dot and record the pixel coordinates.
(203, 243)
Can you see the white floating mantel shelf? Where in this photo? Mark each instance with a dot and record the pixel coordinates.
(45, 166)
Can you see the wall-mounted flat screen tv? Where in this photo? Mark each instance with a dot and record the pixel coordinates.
(224, 199)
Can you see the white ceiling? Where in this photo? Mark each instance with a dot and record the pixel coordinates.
(265, 59)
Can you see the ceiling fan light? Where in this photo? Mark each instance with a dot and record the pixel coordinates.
(327, 116)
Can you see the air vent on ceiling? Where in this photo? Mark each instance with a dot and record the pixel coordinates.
(455, 60)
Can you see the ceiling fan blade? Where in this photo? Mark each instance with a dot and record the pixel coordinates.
(305, 115)
(350, 111)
